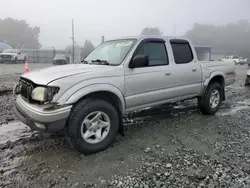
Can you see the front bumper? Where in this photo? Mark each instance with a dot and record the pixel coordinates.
(39, 119)
(59, 62)
(7, 60)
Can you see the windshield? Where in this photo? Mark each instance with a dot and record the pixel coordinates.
(59, 56)
(10, 51)
(113, 52)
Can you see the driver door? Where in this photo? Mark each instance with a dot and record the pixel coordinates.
(150, 84)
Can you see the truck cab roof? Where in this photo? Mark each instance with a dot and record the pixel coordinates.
(141, 37)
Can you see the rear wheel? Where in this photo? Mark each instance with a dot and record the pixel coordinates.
(212, 99)
(92, 126)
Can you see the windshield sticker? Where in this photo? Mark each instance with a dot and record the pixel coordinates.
(124, 44)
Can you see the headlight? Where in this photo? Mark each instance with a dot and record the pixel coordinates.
(13, 57)
(44, 94)
(38, 94)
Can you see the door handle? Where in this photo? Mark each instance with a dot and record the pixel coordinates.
(194, 69)
(167, 73)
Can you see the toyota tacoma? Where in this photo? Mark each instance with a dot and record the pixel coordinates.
(88, 100)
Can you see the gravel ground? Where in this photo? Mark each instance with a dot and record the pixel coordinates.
(168, 146)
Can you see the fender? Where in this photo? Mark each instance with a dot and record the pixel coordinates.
(211, 76)
(208, 80)
(88, 89)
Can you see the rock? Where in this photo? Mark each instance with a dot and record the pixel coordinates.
(157, 146)
(52, 184)
(201, 185)
(76, 184)
(158, 174)
(201, 176)
(103, 182)
(169, 165)
(158, 184)
(210, 185)
(147, 150)
(166, 174)
(119, 184)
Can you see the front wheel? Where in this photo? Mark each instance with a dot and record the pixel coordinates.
(92, 126)
(212, 99)
(24, 60)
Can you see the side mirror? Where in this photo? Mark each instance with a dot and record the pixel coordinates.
(139, 61)
(18, 52)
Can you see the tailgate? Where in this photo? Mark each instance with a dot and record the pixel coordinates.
(228, 69)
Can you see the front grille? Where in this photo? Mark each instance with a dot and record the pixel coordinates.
(6, 56)
(26, 88)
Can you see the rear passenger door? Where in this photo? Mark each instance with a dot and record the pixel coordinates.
(187, 73)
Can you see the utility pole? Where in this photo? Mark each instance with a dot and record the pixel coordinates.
(73, 41)
(174, 30)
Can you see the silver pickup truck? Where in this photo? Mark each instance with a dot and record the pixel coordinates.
(88, 100)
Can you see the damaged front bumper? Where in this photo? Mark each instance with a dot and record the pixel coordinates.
(37, 118)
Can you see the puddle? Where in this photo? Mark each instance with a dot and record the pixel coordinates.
(13, 131)
(241, 105)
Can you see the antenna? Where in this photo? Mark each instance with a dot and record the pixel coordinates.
(73, 41)
(174, 30)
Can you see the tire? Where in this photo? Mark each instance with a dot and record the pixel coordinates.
(205, 106)
(247, 81)
(83, 112)
(16, 61)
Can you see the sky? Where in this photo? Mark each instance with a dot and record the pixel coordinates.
(116, 18)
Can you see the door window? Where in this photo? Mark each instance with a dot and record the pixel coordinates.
(156, 52)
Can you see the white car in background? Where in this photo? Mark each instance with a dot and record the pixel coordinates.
(236, 59)
(13, 56)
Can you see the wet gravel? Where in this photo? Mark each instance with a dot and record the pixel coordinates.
(6, 97)
(167, 146)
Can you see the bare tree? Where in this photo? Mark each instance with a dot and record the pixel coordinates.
(151, 31)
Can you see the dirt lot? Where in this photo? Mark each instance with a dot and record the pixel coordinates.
(168, 146)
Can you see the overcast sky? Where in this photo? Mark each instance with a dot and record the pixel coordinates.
(114, 18)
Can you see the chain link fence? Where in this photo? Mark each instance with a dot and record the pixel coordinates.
(47, 55)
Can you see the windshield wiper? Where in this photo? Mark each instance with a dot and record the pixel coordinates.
(85, 62)
(104, 62)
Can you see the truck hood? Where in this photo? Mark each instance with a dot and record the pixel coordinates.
(47, 75)
(8, 53)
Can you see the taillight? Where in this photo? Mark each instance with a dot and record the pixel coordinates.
(230, 74)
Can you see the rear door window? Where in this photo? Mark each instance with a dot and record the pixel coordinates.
(182, 51)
